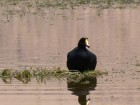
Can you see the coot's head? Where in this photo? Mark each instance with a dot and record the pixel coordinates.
(83, 43)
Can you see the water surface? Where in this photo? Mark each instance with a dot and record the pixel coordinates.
(44, 40)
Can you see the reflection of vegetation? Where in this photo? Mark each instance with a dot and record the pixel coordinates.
(42, 74)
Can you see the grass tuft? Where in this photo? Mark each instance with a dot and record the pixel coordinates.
(23, 76)
(42, 74)
(6, 75)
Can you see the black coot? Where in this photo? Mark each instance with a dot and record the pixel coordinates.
(80, 58)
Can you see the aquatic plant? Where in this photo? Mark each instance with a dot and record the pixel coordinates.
(42, 74)
(24, 76)
(6, 75)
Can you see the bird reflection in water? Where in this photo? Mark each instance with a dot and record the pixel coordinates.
(82, 89)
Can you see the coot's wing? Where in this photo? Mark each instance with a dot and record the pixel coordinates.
(92, 60)
(71, 58)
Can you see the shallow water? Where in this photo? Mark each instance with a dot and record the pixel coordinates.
(43, 40)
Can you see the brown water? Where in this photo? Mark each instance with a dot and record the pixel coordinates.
(43, 40)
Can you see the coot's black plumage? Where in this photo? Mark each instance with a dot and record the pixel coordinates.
(80, 58)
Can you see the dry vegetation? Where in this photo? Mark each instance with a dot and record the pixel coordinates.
(23, 7)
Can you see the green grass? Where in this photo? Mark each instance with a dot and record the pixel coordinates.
(7, 75)
(42, 74)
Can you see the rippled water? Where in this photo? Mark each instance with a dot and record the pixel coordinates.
(44, 40)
